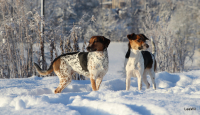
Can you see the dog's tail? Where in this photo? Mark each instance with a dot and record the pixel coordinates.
(153, 47)
(44, 72)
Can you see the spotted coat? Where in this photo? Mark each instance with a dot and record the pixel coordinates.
(97, 68)
(97, 64)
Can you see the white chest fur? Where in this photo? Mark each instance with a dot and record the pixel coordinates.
(98, 63)
(135, 62)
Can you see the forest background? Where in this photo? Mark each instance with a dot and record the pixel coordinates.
(173, 24)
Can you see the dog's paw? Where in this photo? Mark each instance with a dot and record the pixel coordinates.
(57, 90)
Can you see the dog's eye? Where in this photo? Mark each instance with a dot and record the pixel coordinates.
(139, 40)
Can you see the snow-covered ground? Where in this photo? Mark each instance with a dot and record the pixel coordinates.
(175, 94)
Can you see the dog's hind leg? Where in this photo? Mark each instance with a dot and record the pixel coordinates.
(152, 75)
(64, 82)
(64, 73)
(144, 78)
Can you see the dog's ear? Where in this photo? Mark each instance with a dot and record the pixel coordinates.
(106, 41)
(129, 45)
(128, 36)
(131, 36)
(144, 37)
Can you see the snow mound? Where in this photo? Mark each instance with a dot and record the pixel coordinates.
(164, 81)
(35, 95)
(20, 105)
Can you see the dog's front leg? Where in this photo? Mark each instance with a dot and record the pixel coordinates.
(92, 80)
(93, 76)
(98, 82)
(139, 78)
(139, 73)
(128, 80)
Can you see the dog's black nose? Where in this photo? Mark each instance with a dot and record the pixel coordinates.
(147, 46)
(140, 48)
(88, 48)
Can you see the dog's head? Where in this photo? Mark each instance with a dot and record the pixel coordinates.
(98, 43)
(137, 42)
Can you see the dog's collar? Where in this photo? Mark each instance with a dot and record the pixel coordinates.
(105, 50)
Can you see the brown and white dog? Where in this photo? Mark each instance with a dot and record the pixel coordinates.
(140, 62)
(92, 64)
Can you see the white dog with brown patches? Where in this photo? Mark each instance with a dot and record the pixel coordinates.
(92, 64)
(140, 63)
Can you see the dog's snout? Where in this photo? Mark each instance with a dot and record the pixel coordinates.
(140, 48)
(147, 46)
(88, 48)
